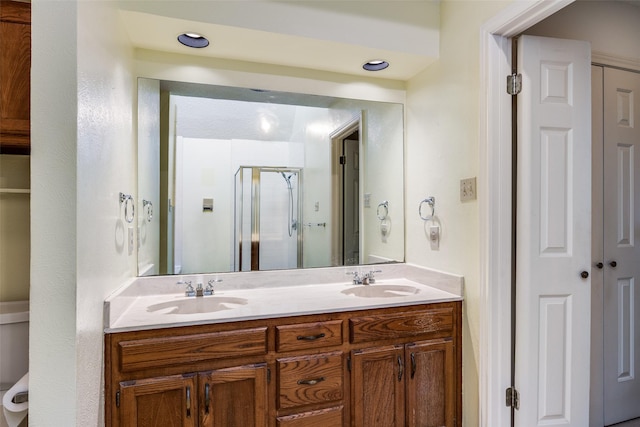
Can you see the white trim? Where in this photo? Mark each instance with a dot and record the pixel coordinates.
(606, 59)
(495, 209)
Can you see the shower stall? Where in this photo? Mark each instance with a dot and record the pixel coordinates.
(267, 218)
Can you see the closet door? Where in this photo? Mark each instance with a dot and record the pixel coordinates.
(621, 253)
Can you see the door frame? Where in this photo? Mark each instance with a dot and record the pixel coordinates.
(337, 137)
(495, 174)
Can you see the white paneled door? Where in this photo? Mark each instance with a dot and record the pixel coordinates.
(553, 233)
(621, 263)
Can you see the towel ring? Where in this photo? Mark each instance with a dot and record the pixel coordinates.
(149, 209)
(431, 201)
(385, 206)
(128, 200)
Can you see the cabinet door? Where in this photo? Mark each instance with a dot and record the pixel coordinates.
(159, 402)
(378, 387)
(431, 380)
(15, 67)
(234, 397)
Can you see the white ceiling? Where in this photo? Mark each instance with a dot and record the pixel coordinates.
(336, 36)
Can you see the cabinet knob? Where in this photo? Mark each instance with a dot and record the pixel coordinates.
(613, 264)
(584, 274)
(600, 265)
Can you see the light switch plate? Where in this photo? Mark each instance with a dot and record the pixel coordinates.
(434, 236)
(468, 189)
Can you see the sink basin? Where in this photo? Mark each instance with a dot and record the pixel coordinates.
(381, 291)
(197, 305)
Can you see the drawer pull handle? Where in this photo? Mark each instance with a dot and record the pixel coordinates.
(206, 398)
(413, 365)
(188, 402)
(310, 337)
(311, 382)
(400, 368)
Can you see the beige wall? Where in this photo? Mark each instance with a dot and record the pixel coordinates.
(14, 227)
(442, 148)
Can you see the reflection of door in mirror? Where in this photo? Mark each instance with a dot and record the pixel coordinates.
(350, 195)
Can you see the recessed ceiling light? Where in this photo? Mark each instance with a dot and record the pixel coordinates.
(193, 40)
(375, 65)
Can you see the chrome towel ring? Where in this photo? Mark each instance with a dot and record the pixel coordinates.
(383, 210)
(431, 201)
(128, 200)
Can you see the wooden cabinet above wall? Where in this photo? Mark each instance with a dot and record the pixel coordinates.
(15, 77)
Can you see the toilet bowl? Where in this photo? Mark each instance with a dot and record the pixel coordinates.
(14, 346)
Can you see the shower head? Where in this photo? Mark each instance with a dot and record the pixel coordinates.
(287, 179)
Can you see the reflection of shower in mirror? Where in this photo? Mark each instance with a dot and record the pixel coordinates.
(267, 218)
(291, 221)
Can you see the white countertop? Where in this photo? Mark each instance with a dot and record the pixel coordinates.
(143, 304)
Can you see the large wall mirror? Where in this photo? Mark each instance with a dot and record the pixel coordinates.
(236, 179)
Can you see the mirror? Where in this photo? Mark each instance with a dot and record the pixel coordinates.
(236, 179)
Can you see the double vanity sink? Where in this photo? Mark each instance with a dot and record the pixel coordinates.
(160, 301)
(287, 348)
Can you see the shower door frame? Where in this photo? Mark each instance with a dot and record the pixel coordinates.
(255, 215)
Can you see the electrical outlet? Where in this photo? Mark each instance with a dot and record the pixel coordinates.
(468, 189)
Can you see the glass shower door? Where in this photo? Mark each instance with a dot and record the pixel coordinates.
(267, 219)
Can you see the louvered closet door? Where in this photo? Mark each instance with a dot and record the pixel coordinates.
(621, 253)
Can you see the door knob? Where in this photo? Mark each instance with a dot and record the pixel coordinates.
(613, 264)
(584, 274)
(600, 265)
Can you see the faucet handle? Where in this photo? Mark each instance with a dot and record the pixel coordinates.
(372, 275)
(357, 280)
(209, 289)
(189, 292)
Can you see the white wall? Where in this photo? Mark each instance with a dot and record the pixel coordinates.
(82, 156)
(148, 169)
(442, 148)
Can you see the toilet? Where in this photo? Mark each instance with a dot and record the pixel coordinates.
(14, 346)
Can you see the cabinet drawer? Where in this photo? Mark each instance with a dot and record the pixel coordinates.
(308, 335)
(398, 325)
(330, 417)
(309, 379)
(182, 350)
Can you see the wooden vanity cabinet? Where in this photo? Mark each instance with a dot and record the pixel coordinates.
(383, 367)
(15, 76)
(159, 402)
(234, 397)
(411, 384)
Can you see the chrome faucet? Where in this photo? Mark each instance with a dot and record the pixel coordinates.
(364, 279)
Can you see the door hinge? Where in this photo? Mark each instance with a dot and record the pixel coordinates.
(514, 84)
(117, 399)
(513, 398)
(343, 160)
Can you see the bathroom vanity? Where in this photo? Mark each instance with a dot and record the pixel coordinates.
(388, 354)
